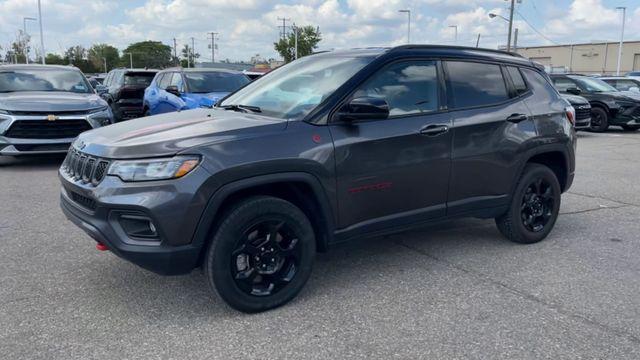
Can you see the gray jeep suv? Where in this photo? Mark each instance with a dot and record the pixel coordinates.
(43, 108)
(328, 148)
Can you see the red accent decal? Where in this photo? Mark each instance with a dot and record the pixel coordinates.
(101, 247)
(370, 187)
(316, 138)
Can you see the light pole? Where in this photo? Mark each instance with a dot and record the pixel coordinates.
(24, 33)
(492, 15)
(624, 15)
(455, 36)
(295, 37)
(42, 53)
(408, 24)
(130, 60)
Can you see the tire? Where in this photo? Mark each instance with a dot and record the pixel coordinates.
(146, 112)
(629, 128)
(599, 120)
(242, 247)
(523, 208)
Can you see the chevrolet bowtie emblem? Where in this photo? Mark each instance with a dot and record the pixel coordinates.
(52, 117)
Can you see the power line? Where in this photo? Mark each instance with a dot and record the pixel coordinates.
(536, 30)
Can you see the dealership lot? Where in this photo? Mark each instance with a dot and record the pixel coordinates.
(456, 290)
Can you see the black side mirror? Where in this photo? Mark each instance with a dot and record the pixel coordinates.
(574, 91)
(365, 108)
(172, 89)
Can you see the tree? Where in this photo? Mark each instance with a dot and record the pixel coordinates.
(188, 56)
(55, 59)
(308, 39)
(149, 54)
(98, 53)
(77, 56)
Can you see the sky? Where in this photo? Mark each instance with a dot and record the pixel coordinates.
(249, 27)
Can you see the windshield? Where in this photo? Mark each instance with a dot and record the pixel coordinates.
(211, 81)
(44, 80)
(139, 79)
(593, 85)
(293, 90)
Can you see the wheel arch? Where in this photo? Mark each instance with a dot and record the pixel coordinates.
(294, 187)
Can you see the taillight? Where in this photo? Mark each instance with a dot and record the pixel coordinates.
(571, 114)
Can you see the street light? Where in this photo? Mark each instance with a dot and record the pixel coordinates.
(42, 53)
(455, 28)
(492, 15)
(624, 15)
(24, 32)
(408, 24)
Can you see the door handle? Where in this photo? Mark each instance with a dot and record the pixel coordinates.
(433, 130)
(516, 118)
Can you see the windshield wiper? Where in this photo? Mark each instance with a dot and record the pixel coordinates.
(242, 108)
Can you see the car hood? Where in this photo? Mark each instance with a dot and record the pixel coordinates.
(575, 99)
(171, 133)
(43, 101)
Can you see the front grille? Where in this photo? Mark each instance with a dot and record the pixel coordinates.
(88, 169)
(44, 129)
(583, 113)
(45, 113)
(83, 200)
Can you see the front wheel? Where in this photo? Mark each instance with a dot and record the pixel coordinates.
(599, 119)
(261, 255)
(534, 207)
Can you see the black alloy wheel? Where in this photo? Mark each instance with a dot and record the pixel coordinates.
(261, 254)
(534, 207)
(537, 205)
(599, 120)
(266, 258)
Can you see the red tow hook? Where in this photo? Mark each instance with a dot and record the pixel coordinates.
(102, 247)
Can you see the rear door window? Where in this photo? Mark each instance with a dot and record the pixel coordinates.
(562, 84)
(165, 81)
(475, 84)
(176, 80)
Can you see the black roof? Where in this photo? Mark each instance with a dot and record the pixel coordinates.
(436, 50)
(200, 70)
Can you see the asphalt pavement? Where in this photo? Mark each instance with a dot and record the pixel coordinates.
(458, 290)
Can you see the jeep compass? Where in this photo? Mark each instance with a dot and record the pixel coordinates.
(331, 147)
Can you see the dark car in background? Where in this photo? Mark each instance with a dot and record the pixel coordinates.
(609, 106)
(330, 147)
(582, 109)
(123, 89)
(183, 89)
(622, 83)
(43, 108)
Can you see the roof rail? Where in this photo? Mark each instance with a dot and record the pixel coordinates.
(412, 46)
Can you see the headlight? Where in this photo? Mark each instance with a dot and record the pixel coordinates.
(153, 169)
(101, 116)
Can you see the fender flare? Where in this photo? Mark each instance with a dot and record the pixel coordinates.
(539, 150)
(212, 209)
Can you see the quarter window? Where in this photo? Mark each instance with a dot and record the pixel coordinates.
(408, 87)
(562, 84)
(518, 82)
(164, 82)
(476, 84)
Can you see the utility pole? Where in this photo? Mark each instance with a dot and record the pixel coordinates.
(175, 51)
(283, 34)
(515, 40)
(624, 15)
(130, 60)
(41, 36)
(193, 51)
(478, 40)
(455, 36)
(510, 25)
(213, 46)
(295, 37)
(408, 24)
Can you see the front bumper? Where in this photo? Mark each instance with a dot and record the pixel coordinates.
(173, 206)
(45, 144)
(126, 109)
(582, 124)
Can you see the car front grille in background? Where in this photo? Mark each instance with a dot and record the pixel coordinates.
(583, 113)
(85, 168)
(44, 129)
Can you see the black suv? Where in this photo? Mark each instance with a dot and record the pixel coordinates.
(123, 89)
(609, 106)
(328, 148)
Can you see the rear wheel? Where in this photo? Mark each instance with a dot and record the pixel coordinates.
(599, 119)
(261, 255)
(534, 207)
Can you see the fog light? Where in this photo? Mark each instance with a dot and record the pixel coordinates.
(138, 226)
